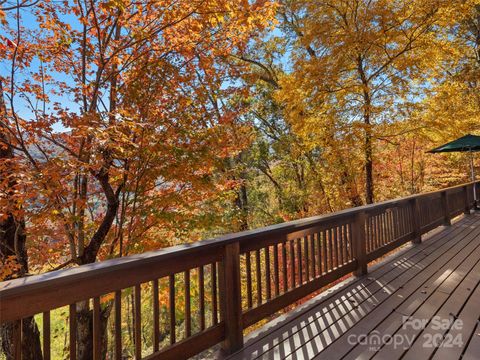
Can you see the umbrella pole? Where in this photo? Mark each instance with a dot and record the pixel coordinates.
(472, 169)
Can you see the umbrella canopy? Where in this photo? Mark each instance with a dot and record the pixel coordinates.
(465, 143)
(468, 143)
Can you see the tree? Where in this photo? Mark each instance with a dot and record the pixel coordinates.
(353, 61)
(142, 140)
(453, 104)
(285, 176)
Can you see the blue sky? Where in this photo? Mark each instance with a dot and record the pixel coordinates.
(29, 22)
(22, 107)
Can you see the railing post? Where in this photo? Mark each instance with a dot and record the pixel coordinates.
(446, 208)
(231, 298)
(359, 243)
(417, 235)
(467, 199)
(475, 193)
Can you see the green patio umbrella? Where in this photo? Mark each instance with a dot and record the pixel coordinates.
(468, 143)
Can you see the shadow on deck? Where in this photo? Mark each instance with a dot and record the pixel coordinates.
(420, 303)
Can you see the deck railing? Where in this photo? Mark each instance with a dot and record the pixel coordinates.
(217, 288)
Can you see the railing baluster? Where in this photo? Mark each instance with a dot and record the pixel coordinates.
(350, 242)
(396, 223)
(72, 325)
(276, 270)
(406, 228)
(213, 271)
(312, 255)
(401, 230)
(319, 252)
(156, 316)
(391, 225)
(386, 226)
(324, 251)
(118, 325)
(408, 218)
(268, 281)
(330, 248)
(325, 256)
(188, 319)
(284, 267)
(138, 322)
(97, 332)
(46, 335)
(331, 245)
(371, 234)
(201, 295)
(299, 258)
(292, 264)
(307, 267)
(374, 233)
(249, 279)
(399, 221)
(258, 276)
(383, 230)
(171, 304)
(336, 247)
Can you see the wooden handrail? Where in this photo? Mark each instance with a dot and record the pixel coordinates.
(305, 255)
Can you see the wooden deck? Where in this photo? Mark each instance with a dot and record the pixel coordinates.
(380, 315)
(219, 287)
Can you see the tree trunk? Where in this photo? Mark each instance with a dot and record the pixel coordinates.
(85, 330)
(84, 313)
(241, 201)
(31, 349)
(88, 254)
(369, 192)
(368, 151)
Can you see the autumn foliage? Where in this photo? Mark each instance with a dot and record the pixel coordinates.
(128, 126)
(148, 112)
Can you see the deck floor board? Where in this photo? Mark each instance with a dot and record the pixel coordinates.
(439, 277)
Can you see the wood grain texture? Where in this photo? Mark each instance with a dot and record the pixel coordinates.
(231, 298)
